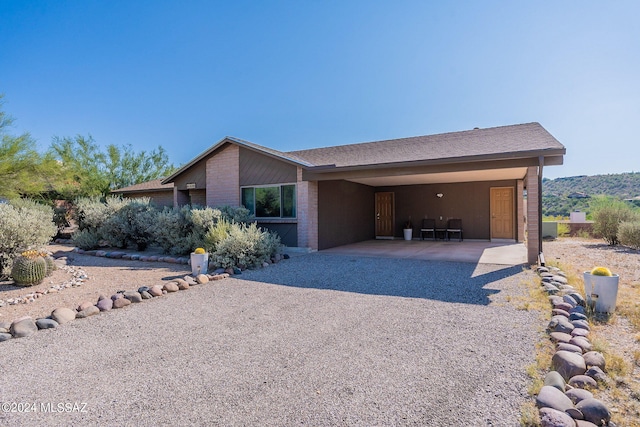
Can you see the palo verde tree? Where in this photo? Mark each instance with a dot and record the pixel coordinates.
(23, 171)
(95, 172)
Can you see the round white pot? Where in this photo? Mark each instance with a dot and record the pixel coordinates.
(606, 289)
(199, 263)
(408, 233)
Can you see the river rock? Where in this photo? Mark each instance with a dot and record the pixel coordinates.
(551, 397)
(554, 379)
(582, 324)
(560, 337)
(156, 290)
(171, 287)
(579, 299)
(569, 347)
(202, 278)
(190, 280)
(563, 306)
(550, 417)
(594, 358)
(578, 394)
(560, 324)
(46, 323)
(63, 315)
(84, 305)
(582, 342)
(105, 304)
(558, 312)
(142, 289)
(5, 336)
(146, 295)
(121, 302)
(23, 327)
(597, 374)
(133, 296)
(579, 332)
(577, 316)
(583, 423)
(89, 311)
(582, 381)
(568, 364)
(594, 411)
(569, 300)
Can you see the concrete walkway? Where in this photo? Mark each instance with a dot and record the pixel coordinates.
(479, 252)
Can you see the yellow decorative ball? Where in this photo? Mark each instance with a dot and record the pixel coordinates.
(199, 251)
(601, 271)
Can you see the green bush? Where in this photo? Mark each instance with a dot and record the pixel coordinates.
(91, 212)
(608, 213)
(563, 229)
(216, 234)
(86, 239)
(629, 234)
(172, 231)
(130, 224)
(24, 224)
(236, 214)
(246, 246)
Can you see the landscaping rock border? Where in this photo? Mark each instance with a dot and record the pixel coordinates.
(566, 399)
(26, 326)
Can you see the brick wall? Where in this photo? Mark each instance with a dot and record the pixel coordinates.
(223, 177)
(307, 205)
(532, 215)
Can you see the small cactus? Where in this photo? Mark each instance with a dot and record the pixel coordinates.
(199, 251)
(51, 265)
(29, 269)
(601, 271)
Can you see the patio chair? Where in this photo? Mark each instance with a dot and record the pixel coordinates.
(454, 226)
(428, 226)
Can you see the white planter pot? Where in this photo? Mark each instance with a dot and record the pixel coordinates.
(606, 289)
(199, 263)
(408, 233)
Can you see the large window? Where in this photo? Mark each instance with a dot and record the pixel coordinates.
(274, 201)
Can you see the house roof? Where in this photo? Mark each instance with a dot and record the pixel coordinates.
(504, 142)
(155, 185)
(498, 142)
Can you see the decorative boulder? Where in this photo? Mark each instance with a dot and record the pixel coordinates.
(594, 411)
(568, 364)
(63, 315)
(551, 397)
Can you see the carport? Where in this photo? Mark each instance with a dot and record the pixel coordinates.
(479, 252)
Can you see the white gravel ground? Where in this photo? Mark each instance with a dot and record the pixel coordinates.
(316, 340)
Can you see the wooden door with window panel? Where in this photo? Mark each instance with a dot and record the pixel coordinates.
(384, 215)
(502, 213)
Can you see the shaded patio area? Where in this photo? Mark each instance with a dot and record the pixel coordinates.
(479, 252)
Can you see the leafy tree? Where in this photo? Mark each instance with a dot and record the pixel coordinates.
(92, 172)
(23, 171)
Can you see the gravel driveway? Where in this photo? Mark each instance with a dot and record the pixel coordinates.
(316, 340)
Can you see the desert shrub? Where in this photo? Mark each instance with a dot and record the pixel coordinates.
(216, 234)
(563, 229)
(92, 212)
(24, 224)
(608, 213)
(130, 224)
(202, 219)
(172, 230)
(86, 239)
(236, 214)
(245, 246)
(629, 234)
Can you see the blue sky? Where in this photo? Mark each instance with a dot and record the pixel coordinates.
(300, 74)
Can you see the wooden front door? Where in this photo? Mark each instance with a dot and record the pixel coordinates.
(502, 208)
(384, 215)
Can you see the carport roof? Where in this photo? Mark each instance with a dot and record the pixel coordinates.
(524, 140)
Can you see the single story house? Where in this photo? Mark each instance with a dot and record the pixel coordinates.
(325, 197)
(160, 194)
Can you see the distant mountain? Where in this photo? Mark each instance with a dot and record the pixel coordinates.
(562, 196)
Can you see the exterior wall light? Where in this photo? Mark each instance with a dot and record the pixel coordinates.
(439, 195)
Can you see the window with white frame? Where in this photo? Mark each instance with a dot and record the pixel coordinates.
(270, 201)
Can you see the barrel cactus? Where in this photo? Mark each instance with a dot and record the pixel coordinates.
(199, 251)
(51, 265)
(601, 271)
(29, 269)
